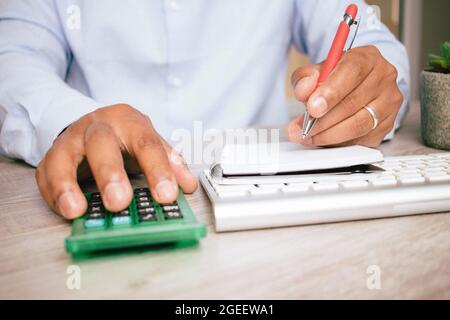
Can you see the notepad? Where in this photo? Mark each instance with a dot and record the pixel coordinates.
(283, 162)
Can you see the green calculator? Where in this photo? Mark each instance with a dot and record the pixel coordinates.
(145, 222)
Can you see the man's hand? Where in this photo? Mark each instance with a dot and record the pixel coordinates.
(108, 143)
(361, 78)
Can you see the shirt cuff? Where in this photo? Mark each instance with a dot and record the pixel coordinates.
(57, 117)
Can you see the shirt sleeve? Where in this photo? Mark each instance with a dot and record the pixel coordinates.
(35, 102)
(315, 25)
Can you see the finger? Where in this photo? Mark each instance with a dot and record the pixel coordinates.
(152, 158)
(105, 160)
(41, 181)
(304, 81)
(61, 190)
(366, 92)
(295, 128)
(374, 138)
(185, 178)
(351, 70)
(351, 128)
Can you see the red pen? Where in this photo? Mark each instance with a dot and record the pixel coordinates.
(335, 54)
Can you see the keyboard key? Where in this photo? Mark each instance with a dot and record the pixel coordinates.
(445, 156)
(355, 184)
(441, 178)
(434, 169)
(412, 180)
(232, 194)
(240, 187)
(413, 163)
(271, 186)
(434, 174)
(387, 182)
(408, 172)
(403, 176)
(295, 189)
(261, 191)
(325, 186)
(437, 162)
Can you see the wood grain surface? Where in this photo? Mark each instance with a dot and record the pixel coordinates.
(322, 261)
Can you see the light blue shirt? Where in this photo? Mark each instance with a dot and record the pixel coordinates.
(219, 61)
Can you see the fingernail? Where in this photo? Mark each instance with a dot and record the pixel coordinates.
(303, 84)
(67, 203)
(319, 105)
(166, 189)
(114, 192)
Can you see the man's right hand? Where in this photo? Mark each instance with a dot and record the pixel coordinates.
(108, 143)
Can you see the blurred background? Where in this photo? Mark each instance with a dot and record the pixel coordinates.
(421, 25)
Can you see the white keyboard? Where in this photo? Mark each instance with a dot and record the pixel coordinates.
(409, 185)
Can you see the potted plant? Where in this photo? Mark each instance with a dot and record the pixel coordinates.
(435, 100)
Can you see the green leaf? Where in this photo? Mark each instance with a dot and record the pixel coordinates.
(432, 56)
(446, 50)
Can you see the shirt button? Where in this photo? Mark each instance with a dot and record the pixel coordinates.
(174, 5)
(174, 81)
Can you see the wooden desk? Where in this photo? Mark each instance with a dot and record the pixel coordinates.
(324, 261)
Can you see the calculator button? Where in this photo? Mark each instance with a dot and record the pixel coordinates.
(171, 208)
(143, 204)
(143, 199)
(95, 196)
(96, 215)
(120, 220)
(94, 223)
(95, 203)
(146, 210)
(96, 209)
(141, 194)
(125, 212)
(147, 217)
(172, 215)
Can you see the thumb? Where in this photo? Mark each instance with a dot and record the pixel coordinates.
(304, 80)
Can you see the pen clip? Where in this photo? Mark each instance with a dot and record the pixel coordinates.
(358, 22)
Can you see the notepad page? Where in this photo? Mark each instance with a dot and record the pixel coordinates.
(269, 159)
